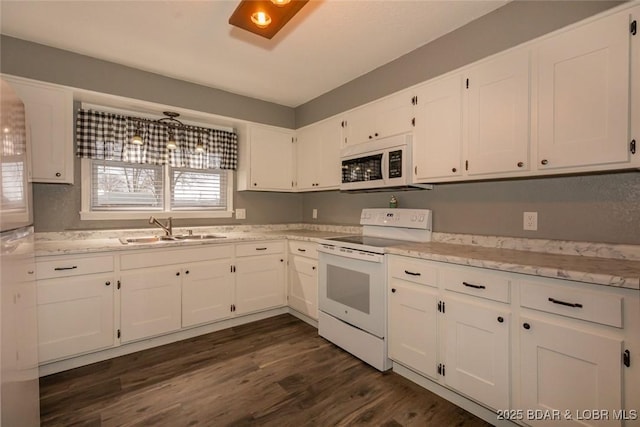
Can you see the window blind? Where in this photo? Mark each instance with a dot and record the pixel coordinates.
(122, 186)
(198, 189)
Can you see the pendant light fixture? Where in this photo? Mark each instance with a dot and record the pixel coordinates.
(137, 135)
(265, 17)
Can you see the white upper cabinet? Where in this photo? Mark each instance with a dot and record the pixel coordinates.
(266, 159)
(583, 95)
(318, 156)
(49, 113)
(497, 96)
(437, 142)
(386, 117)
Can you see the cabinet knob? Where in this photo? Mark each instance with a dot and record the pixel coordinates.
(313, 267)
(107, 283)
(454, 170)
(500, 319)
(370, 137)
(520, 164)
(58, 174)
(544, 161)
(393, 290)
(178, 273)
(526, 326)
(281, 260)
(255, 184)
(186, 272)
(375, 134)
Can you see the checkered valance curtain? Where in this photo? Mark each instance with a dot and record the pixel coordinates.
(107, 136)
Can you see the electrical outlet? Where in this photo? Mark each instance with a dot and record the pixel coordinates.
(314, 215)
(530, 221)
(241, 213)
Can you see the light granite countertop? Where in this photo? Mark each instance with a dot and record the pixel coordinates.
(597, 263)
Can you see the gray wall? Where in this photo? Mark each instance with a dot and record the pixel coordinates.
(596, 208)
(587, 208)
(508, 26)
(39, 62)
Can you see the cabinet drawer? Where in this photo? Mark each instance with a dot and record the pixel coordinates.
(597, 307)
(478, 282)
(259, 248)
(307, 249)
(154, 258)
(413, 270)
(49, 268)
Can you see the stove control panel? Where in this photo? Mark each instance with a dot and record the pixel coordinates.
(401, 218)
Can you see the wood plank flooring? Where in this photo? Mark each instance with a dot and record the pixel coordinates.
(275, 372)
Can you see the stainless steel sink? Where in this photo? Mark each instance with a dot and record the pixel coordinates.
(199, 237)
(147, 239)
(161, 239)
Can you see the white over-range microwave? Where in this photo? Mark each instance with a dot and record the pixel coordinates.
(381, 164)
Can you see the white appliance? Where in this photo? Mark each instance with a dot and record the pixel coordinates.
(352, 281)
(381, 164)
(19, 390)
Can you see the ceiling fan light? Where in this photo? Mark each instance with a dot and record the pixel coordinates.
(260, 19)
(280, 3)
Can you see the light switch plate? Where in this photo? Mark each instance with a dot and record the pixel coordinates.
(314, 214)
(241, 214)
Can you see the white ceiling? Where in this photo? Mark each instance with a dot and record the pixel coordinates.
(329, 43)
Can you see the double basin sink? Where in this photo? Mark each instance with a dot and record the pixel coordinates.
(177, 238)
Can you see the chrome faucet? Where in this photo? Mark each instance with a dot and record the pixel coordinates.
(167, 228)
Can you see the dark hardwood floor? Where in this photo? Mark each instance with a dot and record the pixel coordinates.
(275, 372)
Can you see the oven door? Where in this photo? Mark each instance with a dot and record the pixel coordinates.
(351, 287)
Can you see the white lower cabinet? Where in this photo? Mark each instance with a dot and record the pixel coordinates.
(551, 351)
(568, 369)
(477, 355)
(150, 302)
(303, 278)
(259, 270)
(457, 340)
(413, 326)
(207, 292)
(75, 311)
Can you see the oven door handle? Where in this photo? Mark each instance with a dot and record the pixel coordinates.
(350, 253)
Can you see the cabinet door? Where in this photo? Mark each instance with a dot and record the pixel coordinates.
(303, 286)
(271, 159)
(477, 352)
(498, 115)
(359, 125)
(329, 174)
(75, 315)
(583, 91)
(150, 302)
(413, 329)
(567, 369)
(207, 292)
(308, 156)
(259, 283)
(393, 115)
(437, 144)
(50, 121)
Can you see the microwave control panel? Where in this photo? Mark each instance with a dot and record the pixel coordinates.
(395, 164)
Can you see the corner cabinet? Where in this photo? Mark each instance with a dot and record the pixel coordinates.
(49, 111)
(266, 160)
(318, 156)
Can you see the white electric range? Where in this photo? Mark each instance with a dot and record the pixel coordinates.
(352, 281)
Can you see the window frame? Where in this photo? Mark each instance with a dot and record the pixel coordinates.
(87, 214)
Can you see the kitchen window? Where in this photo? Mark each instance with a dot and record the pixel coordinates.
(124, 180)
